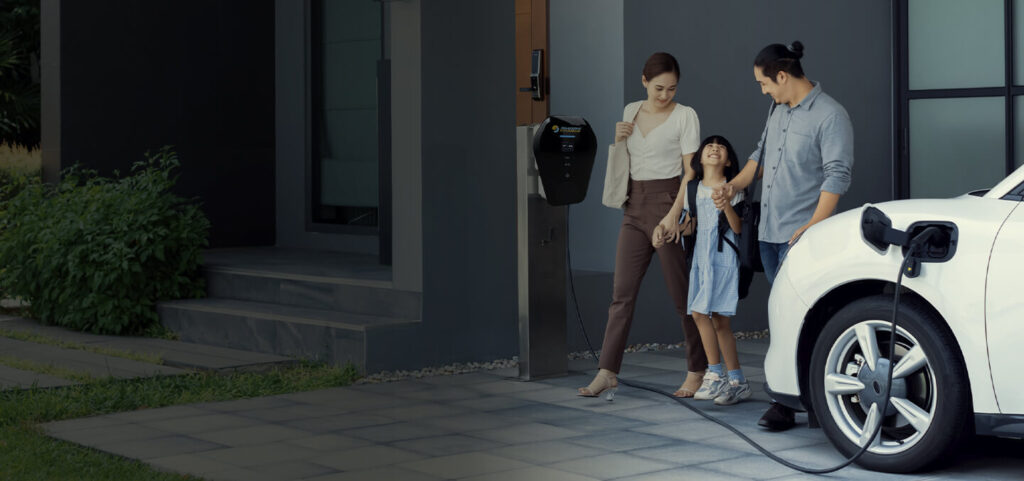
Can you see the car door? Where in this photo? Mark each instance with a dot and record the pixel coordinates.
(1004, 309)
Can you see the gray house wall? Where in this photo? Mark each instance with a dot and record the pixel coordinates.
(468, 131)
(848, 50)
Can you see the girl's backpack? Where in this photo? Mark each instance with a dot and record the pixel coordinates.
(743, 209)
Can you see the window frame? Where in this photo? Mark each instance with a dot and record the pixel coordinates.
(901, 81)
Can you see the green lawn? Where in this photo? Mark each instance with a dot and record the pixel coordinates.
(27, 454)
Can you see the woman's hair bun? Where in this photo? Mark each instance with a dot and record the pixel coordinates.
(797, 48)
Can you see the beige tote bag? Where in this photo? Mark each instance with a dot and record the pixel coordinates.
(616, 177)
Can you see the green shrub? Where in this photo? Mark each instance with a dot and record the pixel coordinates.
(96, 254)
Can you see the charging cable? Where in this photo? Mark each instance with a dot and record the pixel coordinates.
(912, 252)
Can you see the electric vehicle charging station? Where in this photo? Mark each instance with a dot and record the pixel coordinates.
(553, 166)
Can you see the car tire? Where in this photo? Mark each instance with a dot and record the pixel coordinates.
(930, 413)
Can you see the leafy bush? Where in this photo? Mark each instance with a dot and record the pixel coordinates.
(96, 254)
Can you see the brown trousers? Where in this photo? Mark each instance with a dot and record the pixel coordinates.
(649, 201)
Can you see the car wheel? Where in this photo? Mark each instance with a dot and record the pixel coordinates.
(929, 409)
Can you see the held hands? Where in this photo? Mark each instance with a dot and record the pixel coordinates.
(622, 131)
(722, 196)
(666, 232)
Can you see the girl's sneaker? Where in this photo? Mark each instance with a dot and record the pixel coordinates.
(711, 388)
(733, 393)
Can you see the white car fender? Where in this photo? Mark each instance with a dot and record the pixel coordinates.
(832, 253)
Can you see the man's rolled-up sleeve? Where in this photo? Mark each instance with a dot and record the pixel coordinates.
(837, 153)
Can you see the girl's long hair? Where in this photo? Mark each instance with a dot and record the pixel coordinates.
(730, 170)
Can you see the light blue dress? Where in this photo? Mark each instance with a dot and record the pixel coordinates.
(714, 275)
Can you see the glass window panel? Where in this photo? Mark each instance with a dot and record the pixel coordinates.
(1018, 139)
(956, 145)
(1018, 42)
(350, 35)
(955, 44)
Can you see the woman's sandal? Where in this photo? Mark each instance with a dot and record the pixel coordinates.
(600, 384)
(694, 378)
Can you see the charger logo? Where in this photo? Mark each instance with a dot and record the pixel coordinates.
(554, 128)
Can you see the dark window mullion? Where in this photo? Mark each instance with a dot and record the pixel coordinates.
(1008, 89)
(957, 93)
(904, 101)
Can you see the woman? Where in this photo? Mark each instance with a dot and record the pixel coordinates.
(661, 137)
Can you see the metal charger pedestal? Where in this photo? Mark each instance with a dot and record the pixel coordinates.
(540, 231)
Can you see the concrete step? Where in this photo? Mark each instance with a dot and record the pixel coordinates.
(327, 292)
(331, 336)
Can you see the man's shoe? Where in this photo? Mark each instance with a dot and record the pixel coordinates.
(777, 418)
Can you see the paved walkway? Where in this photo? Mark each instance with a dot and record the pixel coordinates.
(487, 426)
(177, 357)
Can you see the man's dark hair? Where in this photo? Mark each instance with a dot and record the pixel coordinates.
(777, 58)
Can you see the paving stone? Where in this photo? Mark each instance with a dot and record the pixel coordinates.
(418, 411)
(258, 455)
(202, 424)
(527, 432)
(442, 394)
(506, 387)
(610, 466)
(467, 423)
(447, 445)
(464, 465)
(294, 470)
(366, 458)
(393, 387)
(291, 413)
(390, 473)
(191, 463)
(331, 424)
(753, 467)
(159, 447)
(159, 414)
(328, 442)
(686, 453)
(533, 473)
(253, 435)
(389, 433)
(91, 422)
(541, 412)
(622, 441)
(689, 473)
(493, 403)
(101, 436)
(547, 452)
(593, 423)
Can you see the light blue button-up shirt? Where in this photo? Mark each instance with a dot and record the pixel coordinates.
(809, 150)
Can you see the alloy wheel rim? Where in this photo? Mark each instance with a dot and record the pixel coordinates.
(855, 373)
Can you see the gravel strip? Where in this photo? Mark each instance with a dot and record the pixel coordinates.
(463, 368)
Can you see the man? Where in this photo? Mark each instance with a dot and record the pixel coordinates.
(808, 156)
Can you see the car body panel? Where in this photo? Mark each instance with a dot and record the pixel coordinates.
(833, 253)
(1004, 313)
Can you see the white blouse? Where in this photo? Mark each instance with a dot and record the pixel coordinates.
(659, 154)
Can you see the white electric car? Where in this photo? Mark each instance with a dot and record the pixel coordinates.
(959, 354)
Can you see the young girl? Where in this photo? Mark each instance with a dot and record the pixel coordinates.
(714, 275)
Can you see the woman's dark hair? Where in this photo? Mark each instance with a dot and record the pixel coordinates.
(730, 170)
(659, 63)
(777, 58)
